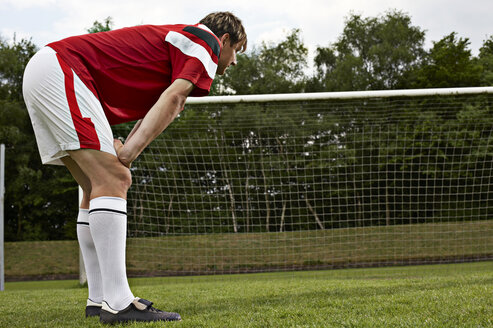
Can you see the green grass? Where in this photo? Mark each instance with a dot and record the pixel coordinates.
(232, 253)
(33, 259)
(454, 295)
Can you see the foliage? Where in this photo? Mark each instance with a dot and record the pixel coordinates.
(316, 165)
(13, 59)
(36, 196)
(371, 54)
(97, 26)
(41, 201)
(449, 64)
(485, 59)
(272, 68)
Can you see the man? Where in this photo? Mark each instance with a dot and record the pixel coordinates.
(76, 88)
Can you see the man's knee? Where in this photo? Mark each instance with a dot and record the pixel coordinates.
(107, 175)
(125, 178)
(114, 182)
(118, 177)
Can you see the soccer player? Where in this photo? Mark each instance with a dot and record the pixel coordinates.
(76, 88)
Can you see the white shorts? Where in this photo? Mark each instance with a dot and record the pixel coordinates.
(64, 113)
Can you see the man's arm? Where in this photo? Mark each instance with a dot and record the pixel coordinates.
(158, 118)
(135, 128)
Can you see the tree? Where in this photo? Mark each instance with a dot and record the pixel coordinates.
(106, 25)
(13, 60)
(372, 53)
(449, 64)
(271, 68)
(486, 61)
(36, 204)
(325, 61)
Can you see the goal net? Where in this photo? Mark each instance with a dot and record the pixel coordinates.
(315, 181)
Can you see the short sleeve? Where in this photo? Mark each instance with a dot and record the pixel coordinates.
(193, 71)
(193, 59)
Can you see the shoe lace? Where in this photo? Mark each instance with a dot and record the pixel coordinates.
(153, 309)
(149, 307)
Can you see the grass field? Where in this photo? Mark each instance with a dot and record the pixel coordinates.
(246, 252)
(452, 295)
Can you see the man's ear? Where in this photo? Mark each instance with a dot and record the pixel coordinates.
(225, 38)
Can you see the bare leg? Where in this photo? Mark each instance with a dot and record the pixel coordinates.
(106, 174)
(81, 179)
(86, 242)
(109, 181)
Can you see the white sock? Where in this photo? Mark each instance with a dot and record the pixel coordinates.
(91, 263)
(108, 223)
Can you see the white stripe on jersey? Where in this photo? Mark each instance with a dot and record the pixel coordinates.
(192, 49)
(202, 26)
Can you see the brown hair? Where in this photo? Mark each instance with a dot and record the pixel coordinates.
(221, 23)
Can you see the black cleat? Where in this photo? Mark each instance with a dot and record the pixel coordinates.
(138, 310)
(92, 309)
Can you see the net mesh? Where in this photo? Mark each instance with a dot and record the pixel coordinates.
(252, 187)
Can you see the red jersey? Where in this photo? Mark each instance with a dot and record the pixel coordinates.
(129, 68)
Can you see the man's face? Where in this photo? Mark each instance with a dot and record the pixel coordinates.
(228, 54)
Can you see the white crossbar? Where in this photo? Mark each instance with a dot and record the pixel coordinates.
(339, 95)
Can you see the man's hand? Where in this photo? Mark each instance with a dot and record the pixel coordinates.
(118, 148)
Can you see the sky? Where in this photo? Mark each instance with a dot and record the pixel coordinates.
(321, 21)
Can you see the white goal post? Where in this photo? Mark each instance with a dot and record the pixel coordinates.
(2, 219)
(287, 182)
(338, 95)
